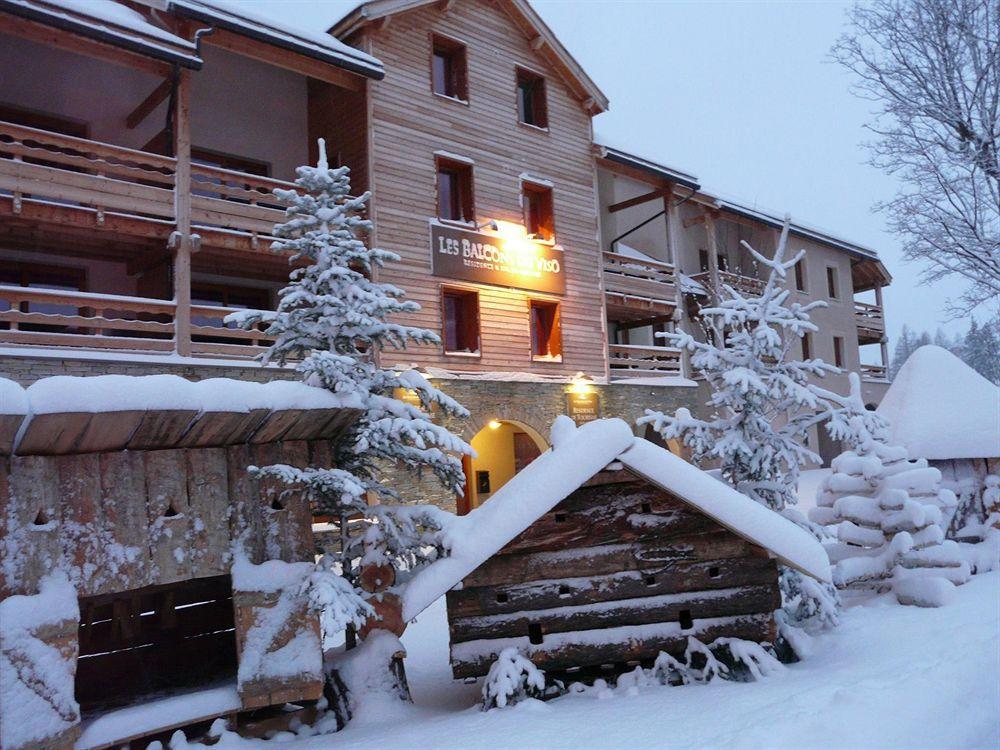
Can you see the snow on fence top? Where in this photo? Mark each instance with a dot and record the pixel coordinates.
(576, 456)
(939, 408)
(66, 414)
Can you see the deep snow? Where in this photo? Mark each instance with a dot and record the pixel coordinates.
(888, 677)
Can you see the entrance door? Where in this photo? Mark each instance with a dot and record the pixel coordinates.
(525, 450)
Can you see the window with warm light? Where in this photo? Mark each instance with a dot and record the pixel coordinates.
(531, 105)
(454, 190)
(546, 337)
(538, 216)
(460, 321)
(448, 68)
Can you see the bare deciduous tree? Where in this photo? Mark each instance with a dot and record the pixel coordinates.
(933, 67)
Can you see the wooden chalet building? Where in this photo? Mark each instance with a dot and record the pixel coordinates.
(136, 207)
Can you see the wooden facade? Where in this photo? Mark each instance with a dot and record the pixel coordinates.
(410, 126)
(617, 572)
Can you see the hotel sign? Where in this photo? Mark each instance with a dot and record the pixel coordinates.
(493, 259)
(583, 407)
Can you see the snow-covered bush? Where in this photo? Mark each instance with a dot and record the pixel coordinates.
(762, 406)
(887, 511)
(512, 678)
(700, 664)
(333, 320)
(745, 661)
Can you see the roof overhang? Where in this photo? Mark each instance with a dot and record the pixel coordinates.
(151, 42)
(524, 16)
(658, 171)
(337, 54)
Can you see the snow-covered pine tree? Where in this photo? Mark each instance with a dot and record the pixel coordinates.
(981, 348)
(511, 679)
(762, 406)
(887, 511)
(333, 319)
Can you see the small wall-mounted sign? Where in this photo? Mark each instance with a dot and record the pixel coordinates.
(493, 259)
(482, 482)
(583, 407)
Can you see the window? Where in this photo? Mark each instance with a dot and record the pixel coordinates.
(831, 282)
(454, 190)
(460, 314)
(800, 275)
(838, 351)
(807, 346)
(448, 70)
(722, 261)
(531, 107)
(546, 338)
(538, 219)
(703, 260)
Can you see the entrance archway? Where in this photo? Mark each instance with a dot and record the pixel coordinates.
(503, 448)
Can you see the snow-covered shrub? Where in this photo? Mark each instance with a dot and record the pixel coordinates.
(700, 664)
(668, 671)
(333, 319)
(887, 510)
(335, 600)
(762, 405)
(745, 661)
(512, 678)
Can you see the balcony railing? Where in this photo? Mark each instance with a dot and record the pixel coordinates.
(50, 318)
(629, 360)
(870, 320)
(742, 284)
(638, 287)
(77, 172)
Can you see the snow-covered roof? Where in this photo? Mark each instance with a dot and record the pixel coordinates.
(236, 18)
(107, 21)
(577, 454)
(628, 159)
(940, 408)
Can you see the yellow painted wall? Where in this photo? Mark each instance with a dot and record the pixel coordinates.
(495, 454)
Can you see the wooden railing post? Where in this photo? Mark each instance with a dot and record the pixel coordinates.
(884, 341)
(182, 214)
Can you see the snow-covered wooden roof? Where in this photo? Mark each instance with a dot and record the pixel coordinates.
(577, 455)
(939, 408)
(63, 414)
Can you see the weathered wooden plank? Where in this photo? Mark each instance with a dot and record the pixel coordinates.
(609, 645)
(30, 519)
(274, 496)
(276, 424)
(52, 434)
(650, 580)
(123, 506)
(161, 429)
(208, 496)
(169, 514)
(246, 521)
(605, 559)
(312, 424)
(298, 528)
(743, 600)
(86, 541)
(214, 428)
(9, 425)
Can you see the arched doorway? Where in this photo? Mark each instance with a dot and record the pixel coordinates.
(503, 448)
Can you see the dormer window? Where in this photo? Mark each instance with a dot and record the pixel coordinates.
(531, 104)
(448, 69)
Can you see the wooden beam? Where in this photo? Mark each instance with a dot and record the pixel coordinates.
(282, 58)
(537, 42)
(688, 223)
(49, 36)
(146, 107)
(638, 200)
(182, 214)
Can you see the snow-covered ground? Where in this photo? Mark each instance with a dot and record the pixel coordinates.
(888, 677)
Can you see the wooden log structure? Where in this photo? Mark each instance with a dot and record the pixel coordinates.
(618, 571)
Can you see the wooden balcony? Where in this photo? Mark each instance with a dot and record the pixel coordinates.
(870, 321)
(629, 360)
(46, 318)
(747, 285)
(638, 289)
(874, 372)
(61, 179)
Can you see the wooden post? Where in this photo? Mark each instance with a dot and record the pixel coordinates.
(182, 215)
(713, 255)
(884, 341)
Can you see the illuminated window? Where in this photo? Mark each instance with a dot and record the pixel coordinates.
(460, 321)
(538, 218)
(531, 105)
(454, 190)
(546, 338)
(448, 69)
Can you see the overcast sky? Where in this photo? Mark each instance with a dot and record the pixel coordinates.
(743, 95)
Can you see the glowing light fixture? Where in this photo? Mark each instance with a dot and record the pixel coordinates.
(581, 383)
(495, 424)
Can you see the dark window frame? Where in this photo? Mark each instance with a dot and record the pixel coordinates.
(832, 283)
(807, 346)
(537, 198)
(471, 328)
(461, 197)
(531, 94)
(800, 276)
(453, 82)
(838, 351)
